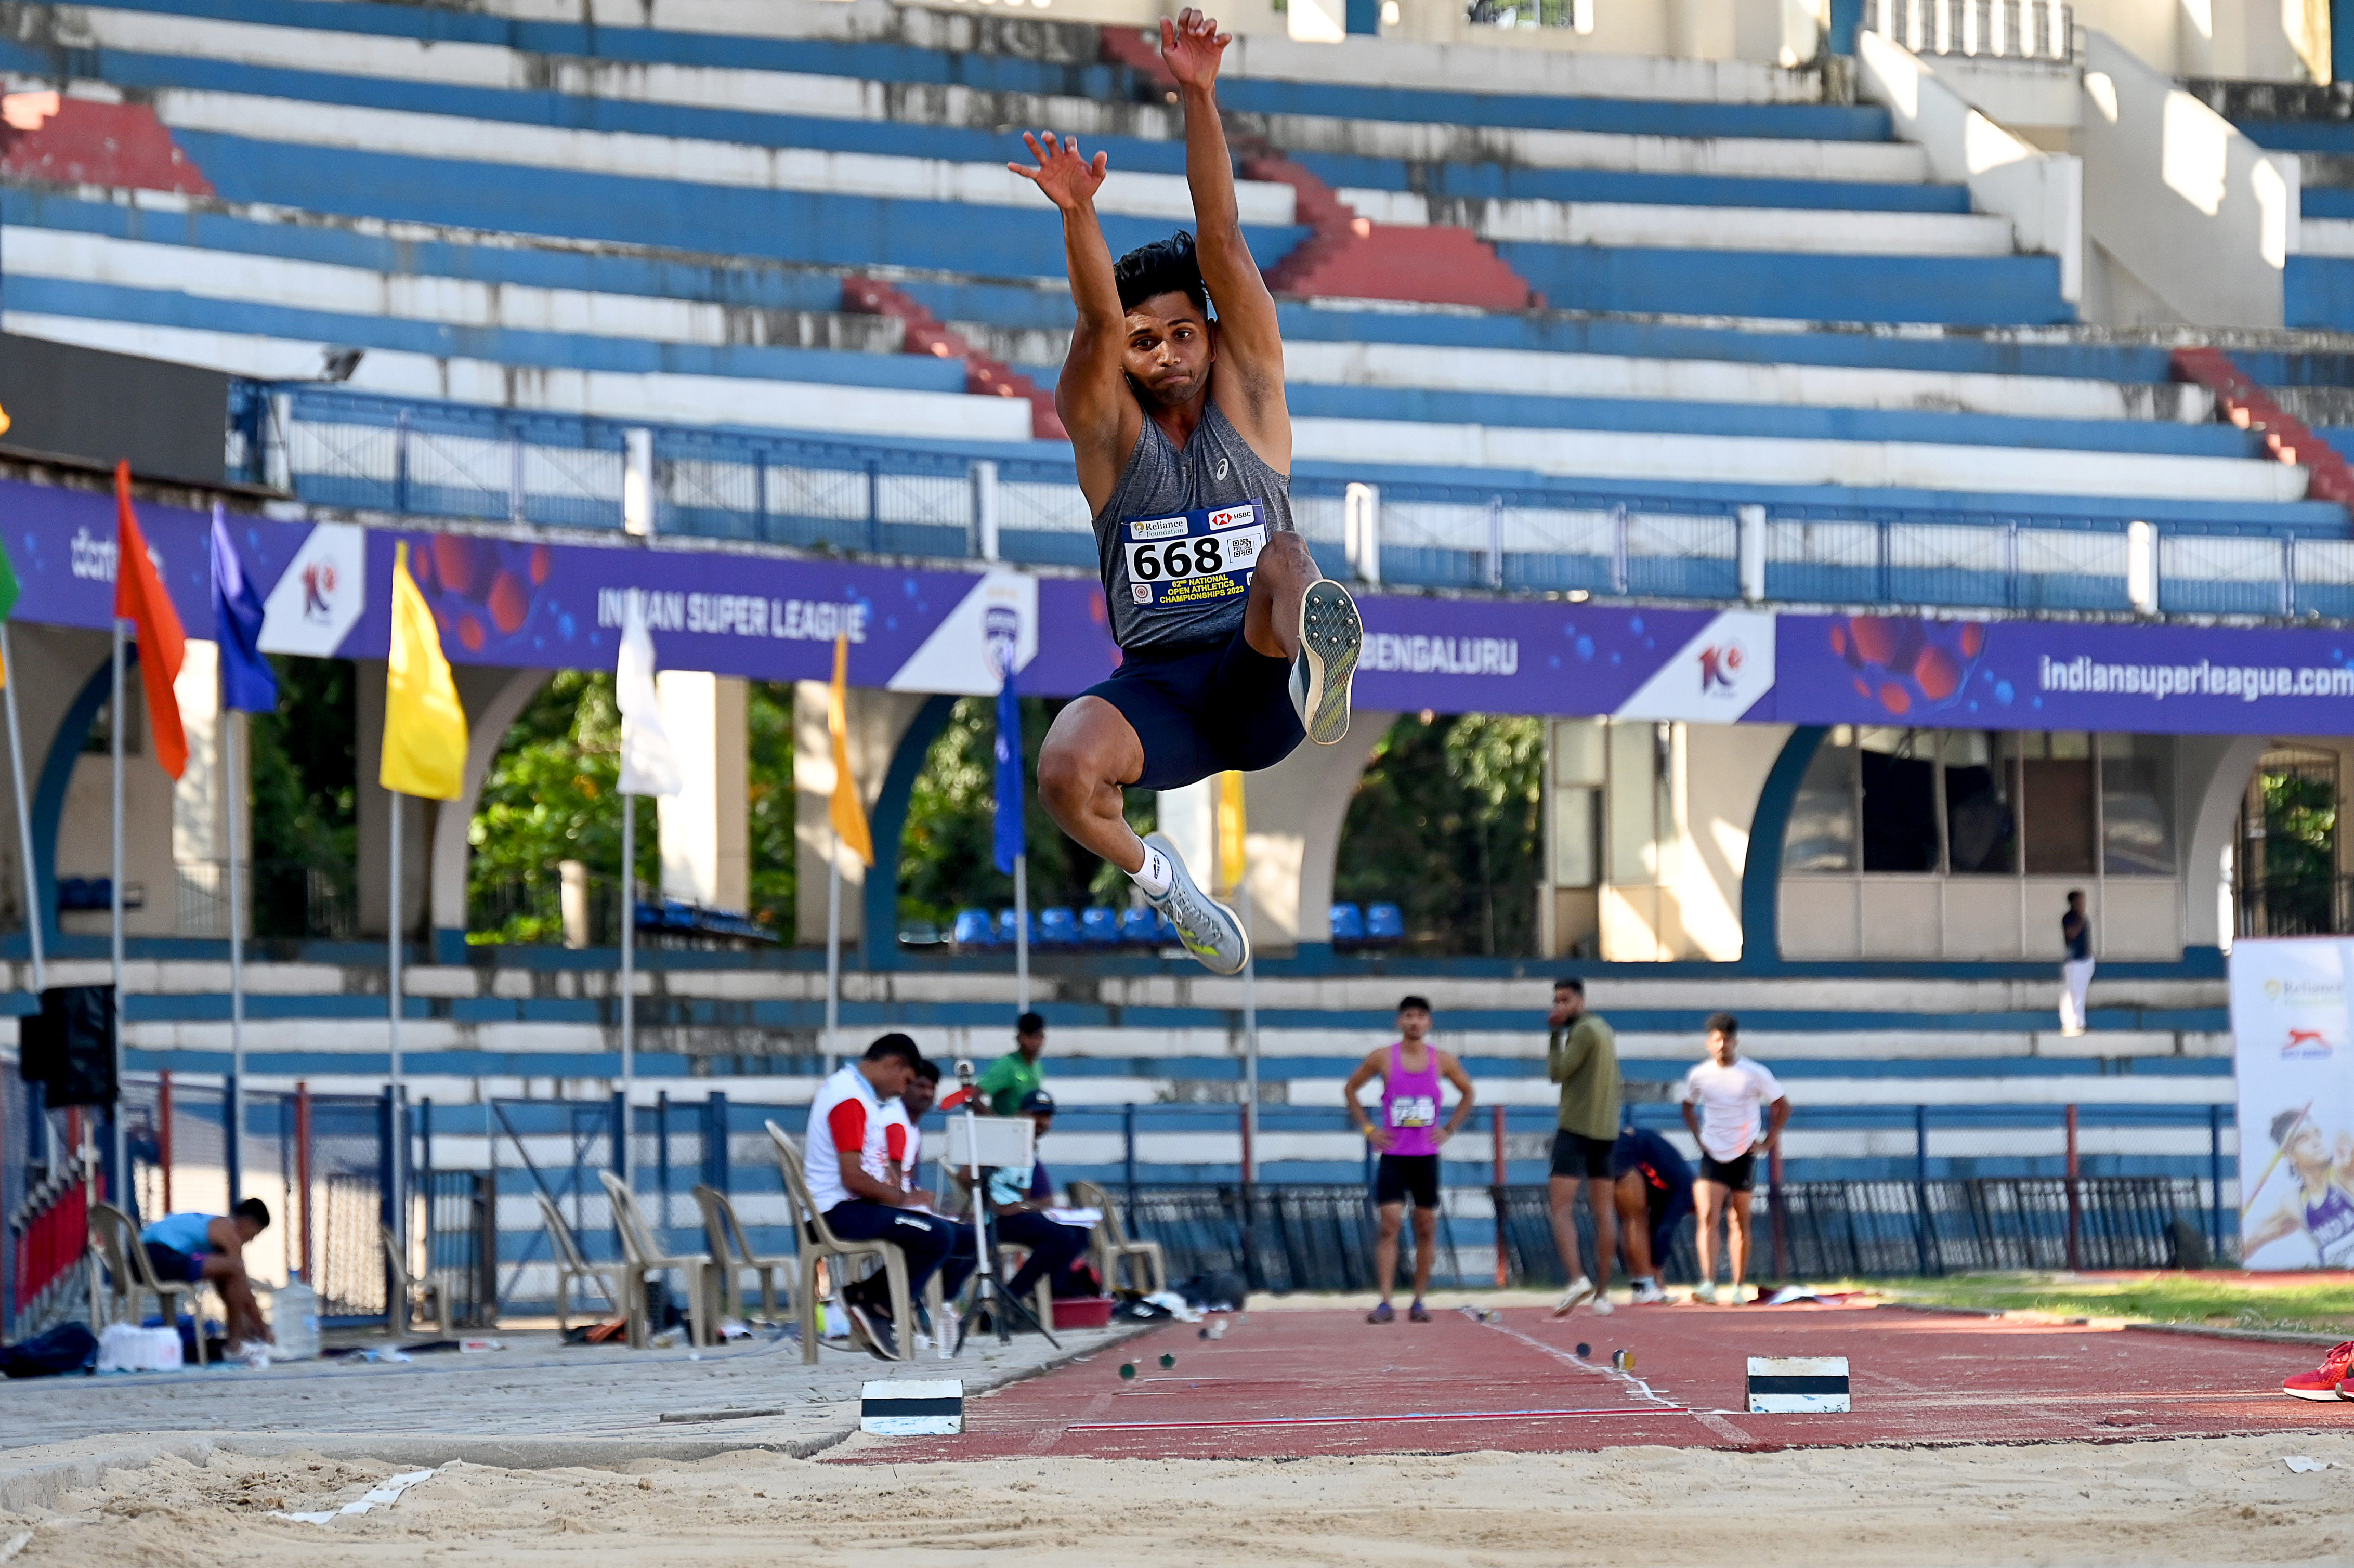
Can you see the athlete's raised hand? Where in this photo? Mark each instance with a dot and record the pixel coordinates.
(1069, 180)
(1192, 47)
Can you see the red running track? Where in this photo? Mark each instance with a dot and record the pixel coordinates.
(1287, 1385)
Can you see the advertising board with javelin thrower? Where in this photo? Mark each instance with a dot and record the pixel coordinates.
(2294, 1059)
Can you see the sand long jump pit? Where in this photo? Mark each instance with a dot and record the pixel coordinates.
(1309, 1437)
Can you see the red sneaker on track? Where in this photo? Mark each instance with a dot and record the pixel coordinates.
(2322, 1382)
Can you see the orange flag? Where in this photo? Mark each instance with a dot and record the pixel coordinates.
(139, 598)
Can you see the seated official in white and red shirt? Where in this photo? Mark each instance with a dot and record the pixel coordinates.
(903, 1131)
(853, 1183)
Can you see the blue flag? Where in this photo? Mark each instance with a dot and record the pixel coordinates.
(247, 680)
(1010, 843)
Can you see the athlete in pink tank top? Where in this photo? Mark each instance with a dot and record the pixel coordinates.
(1408, 1138)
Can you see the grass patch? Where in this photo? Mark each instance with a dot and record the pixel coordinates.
(2317, 1307)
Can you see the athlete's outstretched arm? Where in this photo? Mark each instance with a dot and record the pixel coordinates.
(1092, 396)
(1249, 382)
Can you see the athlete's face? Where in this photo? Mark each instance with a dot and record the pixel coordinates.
(1169, 350)
(2306, 1151)
(1413, 1025)
(1721, 1048)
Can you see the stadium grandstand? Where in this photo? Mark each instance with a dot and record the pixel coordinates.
(1777, 404)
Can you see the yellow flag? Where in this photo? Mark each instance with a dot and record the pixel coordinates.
(1231, 829)
(849, 817)
(424, 725)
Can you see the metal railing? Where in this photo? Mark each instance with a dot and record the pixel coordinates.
(2006, 29)
(363, 452)
(2319, 905)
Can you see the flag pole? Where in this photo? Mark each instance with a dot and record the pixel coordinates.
(1022, 932)
(116, 725)
(833, 946)
(24, 811)
(392, 962)
(232, 720)
(628, 980)
(1250, 1043)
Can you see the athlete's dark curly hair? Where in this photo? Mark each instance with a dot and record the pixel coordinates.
(1164, 267)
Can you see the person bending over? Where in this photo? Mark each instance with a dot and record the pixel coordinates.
(1233, 644)
(853, 1183)
(210, 1249)
(1654, 1188)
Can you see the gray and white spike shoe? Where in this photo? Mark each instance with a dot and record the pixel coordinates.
(1330, 638)
(1207, 927)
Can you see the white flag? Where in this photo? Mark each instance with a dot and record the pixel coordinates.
(647, 766)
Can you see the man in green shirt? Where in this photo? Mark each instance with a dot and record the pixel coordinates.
(1007, 1081)
(1582, 1056)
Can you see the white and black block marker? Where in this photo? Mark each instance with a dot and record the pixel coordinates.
(910, 1409)
(1797, 1385)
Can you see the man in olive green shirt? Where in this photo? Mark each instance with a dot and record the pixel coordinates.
(1582, 1056)
(1006, 1081)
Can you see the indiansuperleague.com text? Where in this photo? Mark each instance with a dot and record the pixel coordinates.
(2157, 682)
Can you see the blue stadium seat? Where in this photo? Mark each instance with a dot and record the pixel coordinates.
(1007, 926)
(973, 929)
(1385, 923)
(1057, 929)
(1098, 927)
(1141, 927)
(1347, 923)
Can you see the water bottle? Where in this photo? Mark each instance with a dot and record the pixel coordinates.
(294, 1319)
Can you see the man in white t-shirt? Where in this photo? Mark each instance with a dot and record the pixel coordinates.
(854, 1185)
(903, 1134)
(1722, 1097)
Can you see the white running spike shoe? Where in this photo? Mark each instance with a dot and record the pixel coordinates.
(1207, 927)
(1330, 638)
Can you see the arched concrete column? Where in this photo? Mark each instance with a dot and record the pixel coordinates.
(62, 679)
(1761, 870)
(1294, 812)
(2211, 779)
(493, 700)
(879, 721)
(706, 834)
(878, 947)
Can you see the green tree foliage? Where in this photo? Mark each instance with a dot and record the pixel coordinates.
(552, 796)
(947, 857)
(2299, 850)
(1445, 825)
(769, 783)
(303, 763)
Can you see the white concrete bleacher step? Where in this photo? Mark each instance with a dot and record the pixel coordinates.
(631, 154)
(1794, 230)
(1758, 460)
(654, 396)
(237, 276)
(815, 95)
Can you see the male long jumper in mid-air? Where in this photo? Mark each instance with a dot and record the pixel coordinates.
(1234, 645)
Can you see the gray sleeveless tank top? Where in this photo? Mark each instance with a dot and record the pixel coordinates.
(1178, 546)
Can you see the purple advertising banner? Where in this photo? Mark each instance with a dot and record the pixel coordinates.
(2050, 674)
(499, 601)
(525, 603)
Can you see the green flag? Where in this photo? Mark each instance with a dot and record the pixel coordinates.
(8, 583)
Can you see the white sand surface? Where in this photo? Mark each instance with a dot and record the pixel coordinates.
(2227, 1500)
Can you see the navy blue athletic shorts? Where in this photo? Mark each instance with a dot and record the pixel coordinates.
(1207, 708)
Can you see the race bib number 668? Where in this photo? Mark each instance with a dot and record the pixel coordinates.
(1194, 558)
